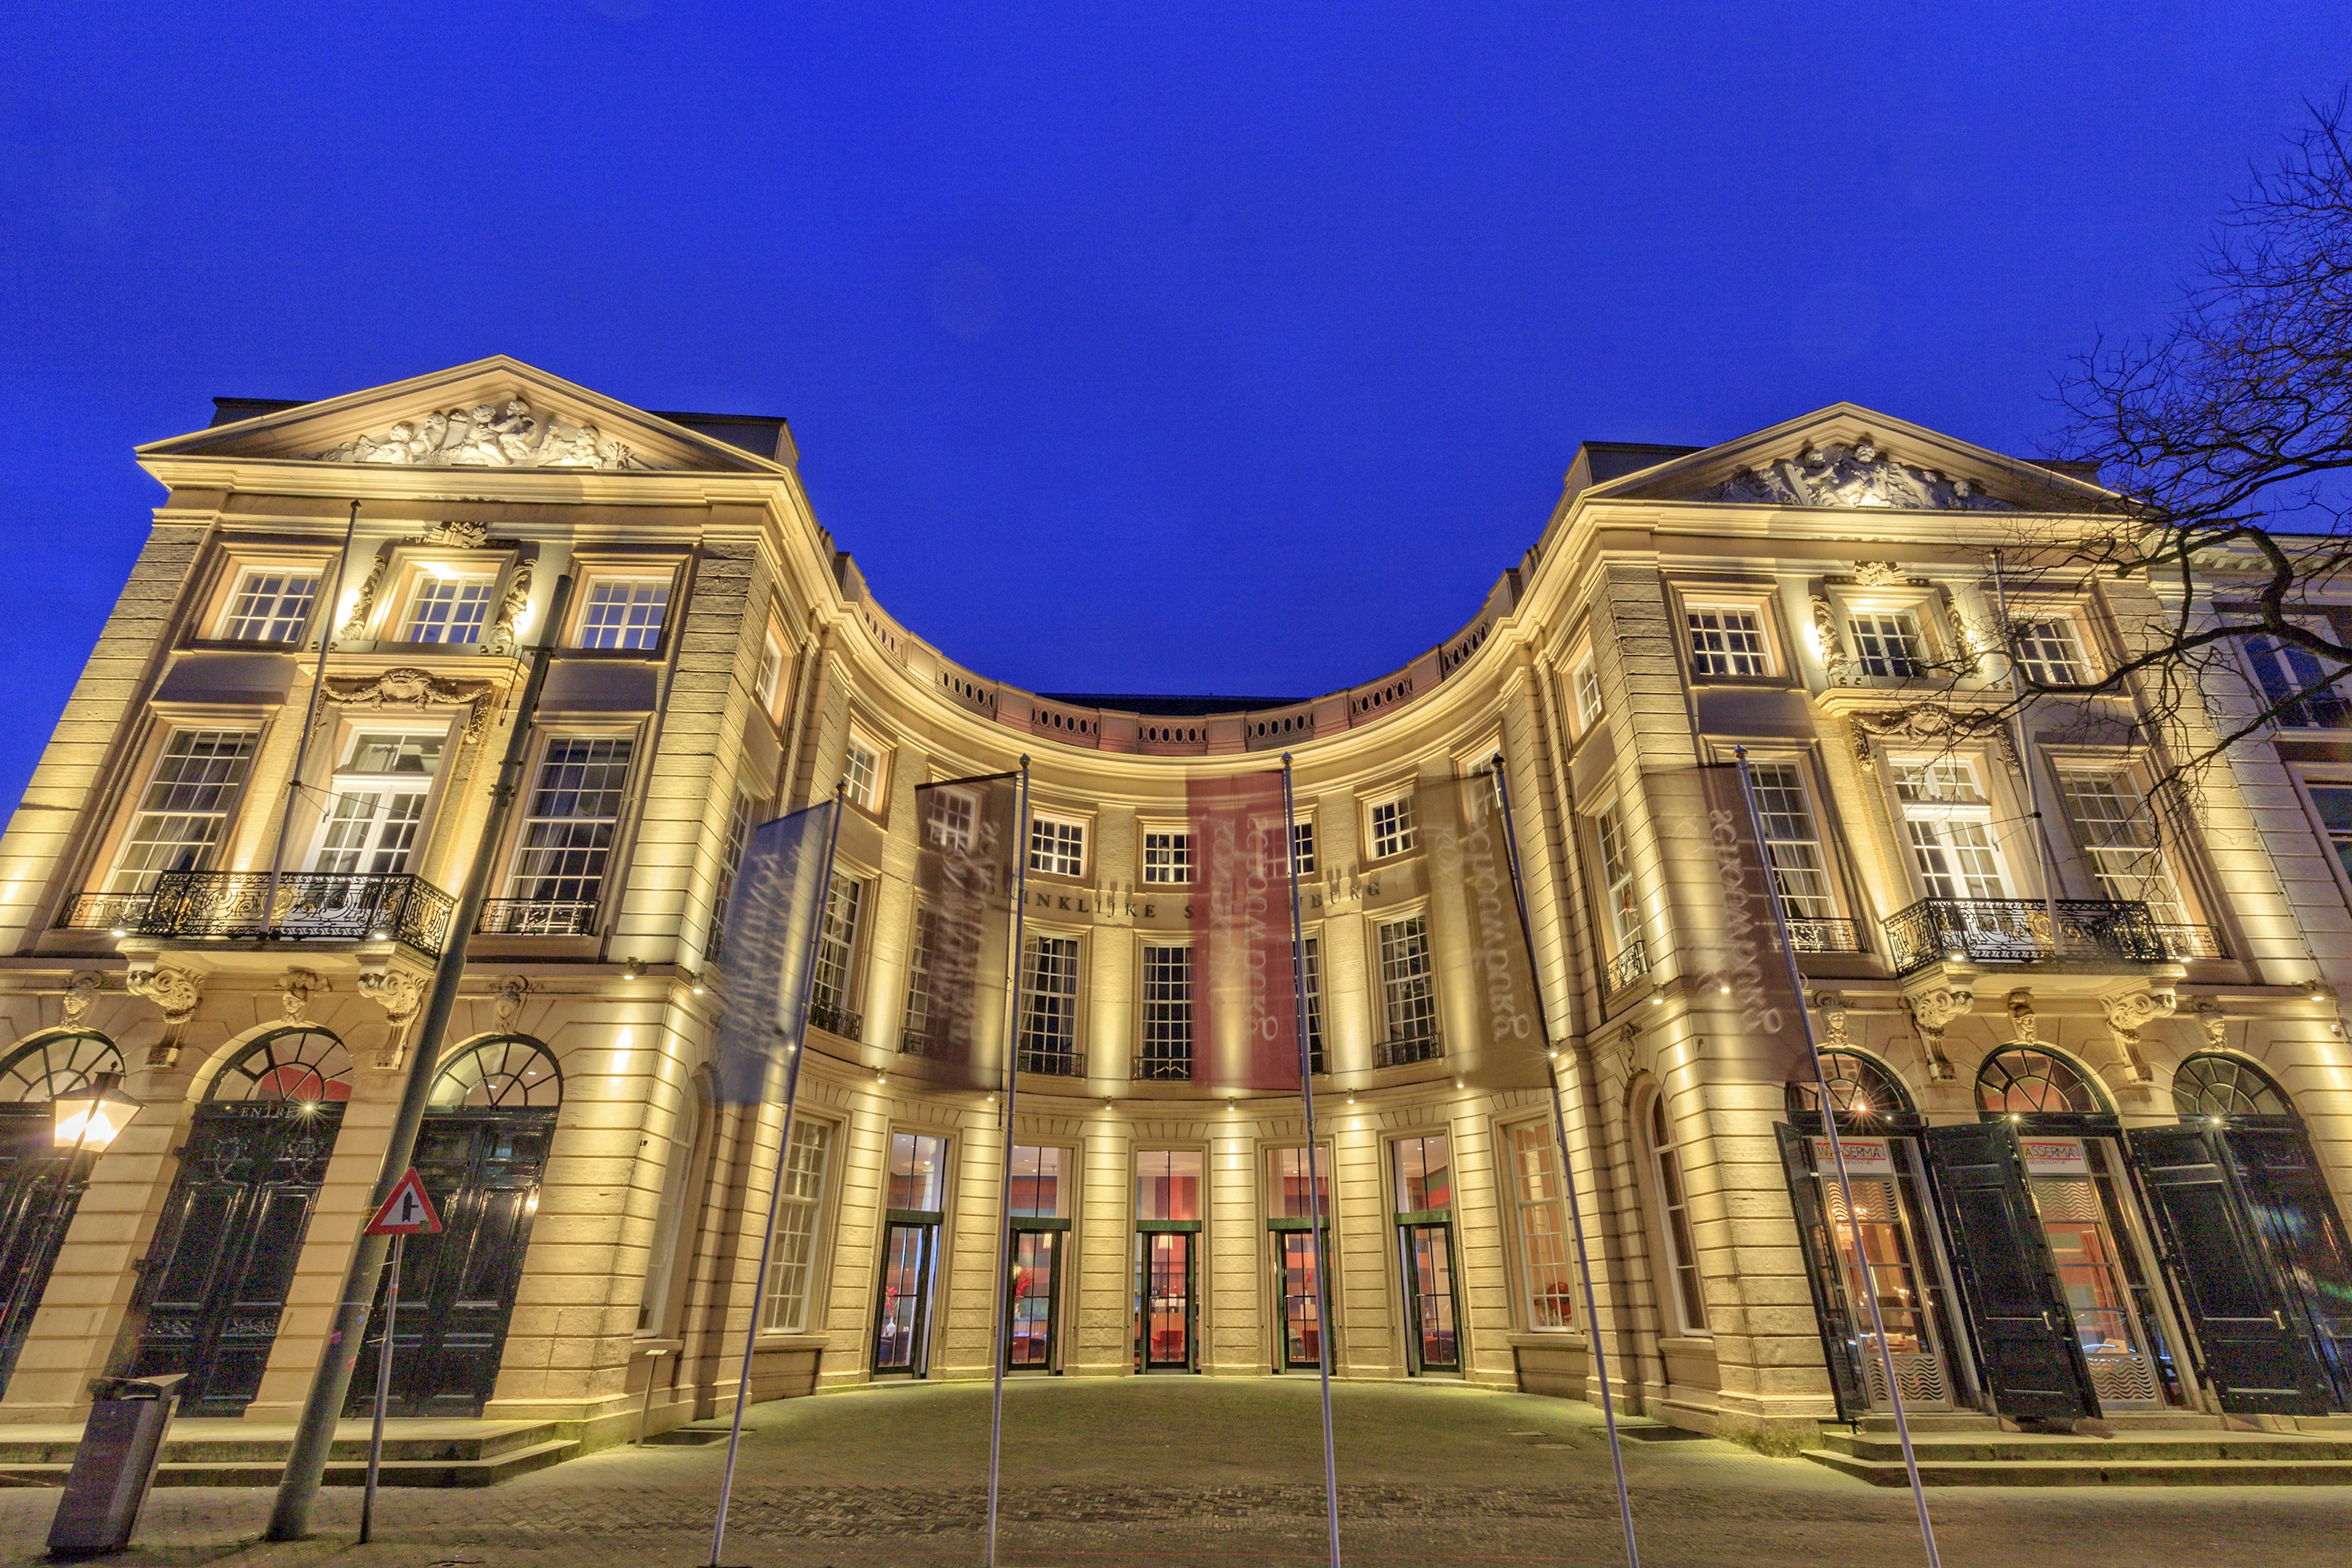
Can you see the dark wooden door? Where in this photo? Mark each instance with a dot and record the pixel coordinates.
(2031, 1361)
(1841, 1337)
(215, 1282)
(482, 1170)
(30, 1233)
(2303, 1234)
(2258, 1361)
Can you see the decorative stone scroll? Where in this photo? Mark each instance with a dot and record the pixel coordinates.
(502, 638)
(2128, 1014)
(295, 989)
(176, 991)
(81, 991)
(399, 994)
(1926, 724)
(506, 435)
(1933, 1010)
(1861, 475)
(418, 689)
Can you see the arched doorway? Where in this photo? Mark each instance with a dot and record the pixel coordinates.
(1887, 1247)
(2256, 1251)
(481, 1152)
(34, 1212)
(231, 1233)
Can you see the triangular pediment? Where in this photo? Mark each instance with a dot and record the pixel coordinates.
(497, 414)
(1848, 457)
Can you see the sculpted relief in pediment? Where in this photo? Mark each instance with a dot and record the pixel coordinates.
(506, 435)
(1861, 475)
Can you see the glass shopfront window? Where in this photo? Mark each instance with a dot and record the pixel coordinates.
(1168, 1236)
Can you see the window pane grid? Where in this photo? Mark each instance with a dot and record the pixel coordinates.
(1393, 827)
(1049, 1017)
(1617, 878)
(836, 943)
(184, 810)
(859, 771)
(2117, 837)
(1791, 843)
(1408, 995)
(1302, 848)
(1587, 695)
(1168, 857)
(1888, 643)
(2048, 652)
(624, 615)
(567, 836)
(1057, 848)
(794, 1262)
(916, 1023)
(449, 610)
(1727, 642)
(1168, 1011)
(272, 606)
(1310, 975)
(1536, 1193)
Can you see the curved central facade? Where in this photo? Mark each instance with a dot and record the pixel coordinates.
(243, 909)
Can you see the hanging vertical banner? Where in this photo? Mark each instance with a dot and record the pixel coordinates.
(1245, 1010)
(771, 918)
(1493, 1036)
(1745, 966)
(953, 1033)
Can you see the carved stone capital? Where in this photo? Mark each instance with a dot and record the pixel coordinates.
(507, 1006)
(1933, 1009)
(1831, 1005)
(1825, 632)
(502, 637)
(2024, 1023)
(2129, 1012)
(176, 991)
(2216, 1025)
(399, 994)
(81, 991)
(295, 989)
(1612, 1052)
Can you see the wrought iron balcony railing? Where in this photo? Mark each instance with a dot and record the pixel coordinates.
(1406, 1049)
(309, 906)
(2187, 941)
(2021, 930)
(1808, 933)
(1157, 1069)
(539, 917)
(836, 1019)
(1632, 962)
(1058, 1058)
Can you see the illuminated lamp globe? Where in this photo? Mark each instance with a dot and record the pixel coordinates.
(89, 1118)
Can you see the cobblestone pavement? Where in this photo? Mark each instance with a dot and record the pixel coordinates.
(1176, 1473)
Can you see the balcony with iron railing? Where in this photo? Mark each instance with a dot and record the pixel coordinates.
(1632, 962)
(1052, 1057)
(1157, 1067)
(1822, 933)
(302, 906)
(1421, 1044)
(2027, 930)
(834, 1018)
(541, 917)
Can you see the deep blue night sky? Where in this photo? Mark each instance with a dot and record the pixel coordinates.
(1129, 347)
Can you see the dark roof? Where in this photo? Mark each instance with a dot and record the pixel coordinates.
(1614, 460)
(1167, 706)
(762, 435)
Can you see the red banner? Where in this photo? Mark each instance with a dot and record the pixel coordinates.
(1244, 993)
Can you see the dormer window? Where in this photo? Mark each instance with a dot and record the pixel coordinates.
(450, 608)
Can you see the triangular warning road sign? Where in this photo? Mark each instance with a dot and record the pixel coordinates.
(408, 1212)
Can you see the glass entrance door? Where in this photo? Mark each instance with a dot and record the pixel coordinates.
(1295, 1265)
(1429, 1295)
(1035, 1292)
(902, 1316)
(370, 826)
(1167, 1331)
(2095, 1274)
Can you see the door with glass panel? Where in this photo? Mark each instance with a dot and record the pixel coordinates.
(1033, 1294)
(1424, 1224)
(1947, 821)
(1299, 1264)
(911, 1248)
(376, 805)
(1167, 1233)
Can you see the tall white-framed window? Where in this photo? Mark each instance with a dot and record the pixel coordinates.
(2117, 836)
(2050, 651)
(449, 606)
(1888, 643)
(1049, 1004)
(836, 955)
(1057, 848)
(1302, 846)
(1622, 904)
(183, 811)
(2296, 686)
(669, 1219)
(1393, 829)
(1167, 856)
(625, 612)
(730, 858)
(1408, 983)
(1727, 640)
(1949, 823)
(792, 1270)
(1792, 841)
(270, 603)
(771, 672)
(1683, 1286)
(1310, 992)
(2332, 799)
(861, 771)
(1585, 680)
(1540, 1209)
(378, 804)
(572, 819)
(915, 1023)
(1167, 1036)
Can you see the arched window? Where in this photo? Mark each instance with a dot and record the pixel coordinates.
(2020, 1080)
(512, 1073)
(52, 1065)
(292, 1064)
(1859, 1087)
(1687, 1288)
(2210, 1084)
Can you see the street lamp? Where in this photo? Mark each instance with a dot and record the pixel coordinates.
(90, 1118)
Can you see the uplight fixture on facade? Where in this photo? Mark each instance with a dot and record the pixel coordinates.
(1657, 998)
(89, 1118)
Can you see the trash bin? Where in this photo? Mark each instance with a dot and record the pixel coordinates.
(114, 1464)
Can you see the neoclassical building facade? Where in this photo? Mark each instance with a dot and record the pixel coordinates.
(2081, 1050)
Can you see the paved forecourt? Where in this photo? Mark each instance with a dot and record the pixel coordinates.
(1179, 1472)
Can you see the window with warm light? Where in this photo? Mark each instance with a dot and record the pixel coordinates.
(270, 604)
(1393, 831)
(1167, 856)
(450, 608)
(625, 613)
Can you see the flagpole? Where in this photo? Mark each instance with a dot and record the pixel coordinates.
(795, 1050)
(1004, 1218)
(1568, 1173)
(1837, 1154)
(1314, 1203)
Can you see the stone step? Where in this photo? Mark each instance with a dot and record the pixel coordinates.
(692, 1435)
(203, 1441)
(2008, 1448)
(1937, 1472)
(341, 1471)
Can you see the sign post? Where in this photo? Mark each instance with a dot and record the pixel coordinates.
(406, 1212)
